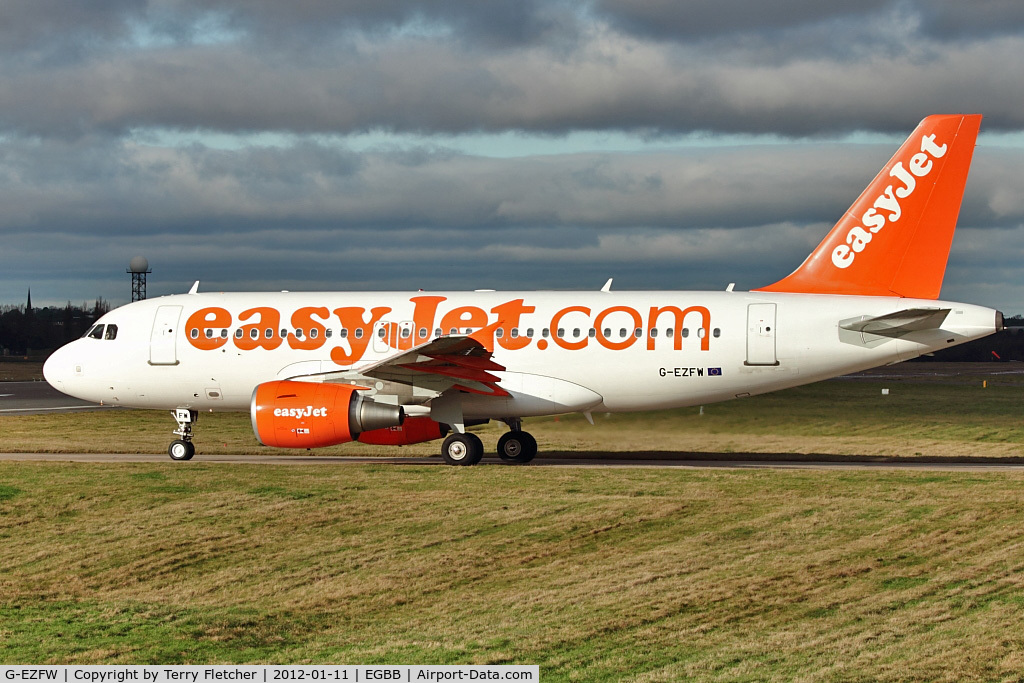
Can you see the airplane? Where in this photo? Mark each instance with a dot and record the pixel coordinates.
(317, 369)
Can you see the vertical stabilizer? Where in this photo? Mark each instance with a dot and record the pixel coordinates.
(895, 239)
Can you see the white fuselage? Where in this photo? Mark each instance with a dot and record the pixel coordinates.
(618, 351)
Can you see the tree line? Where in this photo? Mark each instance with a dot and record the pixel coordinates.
(1007, 345)
(25, 330)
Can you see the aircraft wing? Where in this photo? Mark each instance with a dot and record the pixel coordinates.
(900, 323)
(459, 362)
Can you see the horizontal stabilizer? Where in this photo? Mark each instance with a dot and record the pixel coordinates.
(899, 323)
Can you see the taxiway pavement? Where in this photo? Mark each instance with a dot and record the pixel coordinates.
(34, 398)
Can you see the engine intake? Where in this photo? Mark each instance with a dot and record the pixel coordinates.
(289, 414)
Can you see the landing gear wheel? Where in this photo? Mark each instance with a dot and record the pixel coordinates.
(462, 449)
(181, 450)
(517, 446)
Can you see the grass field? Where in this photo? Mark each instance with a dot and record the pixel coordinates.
(20, 371)
(594, 574)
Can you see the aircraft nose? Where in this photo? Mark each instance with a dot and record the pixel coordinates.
(57, 368)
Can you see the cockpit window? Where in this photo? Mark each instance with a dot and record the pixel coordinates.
(101, 332)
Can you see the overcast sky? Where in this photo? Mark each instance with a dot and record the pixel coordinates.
(509, 144)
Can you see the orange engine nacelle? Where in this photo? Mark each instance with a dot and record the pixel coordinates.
(413, 430)
(289, 414)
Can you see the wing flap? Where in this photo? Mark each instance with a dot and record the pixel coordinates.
(459, 362)
(439, 367)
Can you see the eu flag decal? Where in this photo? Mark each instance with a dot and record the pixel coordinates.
(714, 372)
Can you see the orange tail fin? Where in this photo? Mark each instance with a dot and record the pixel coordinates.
(895, 239)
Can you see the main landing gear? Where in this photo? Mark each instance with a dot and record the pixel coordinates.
(514, 446)
(183, 448)
(517, 446)
(462, 449)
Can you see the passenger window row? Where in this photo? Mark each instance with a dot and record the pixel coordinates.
(406, 332)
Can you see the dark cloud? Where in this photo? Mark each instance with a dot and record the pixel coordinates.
(429, 88)
(493, 23)
(699, 19)
(709, 19)
(29, 25)
(45, 31)
(955, 19)
(220, 67)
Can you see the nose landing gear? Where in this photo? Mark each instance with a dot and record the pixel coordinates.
(183, 448)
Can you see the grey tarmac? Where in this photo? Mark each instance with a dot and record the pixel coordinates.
(36, 398)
